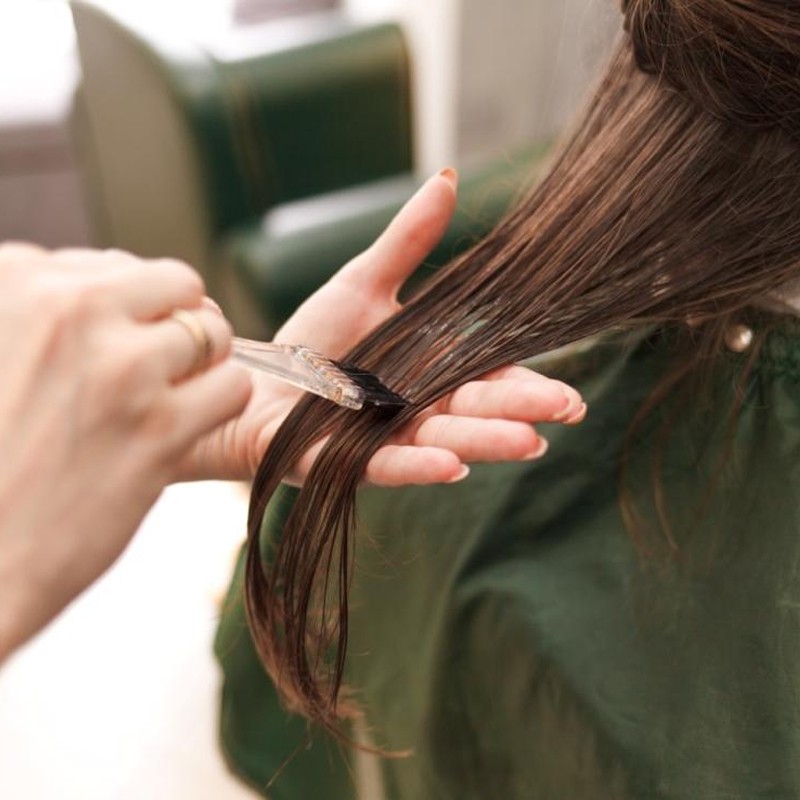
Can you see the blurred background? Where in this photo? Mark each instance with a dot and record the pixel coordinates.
(265, 142)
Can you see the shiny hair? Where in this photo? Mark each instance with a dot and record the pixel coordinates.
(676, 195)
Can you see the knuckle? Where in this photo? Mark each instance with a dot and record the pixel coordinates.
(15, 251)
(119, 393)
(119, 255)
(159, 428)
(58, 303)
(90, 298)
(467, 399)
(182, 271)
(120, 261)
(49, 311)
(71, 302)
(154, 432)
(436, 430)
(127, 380)
(135, 375)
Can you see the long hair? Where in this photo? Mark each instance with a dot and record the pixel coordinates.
(676, 195)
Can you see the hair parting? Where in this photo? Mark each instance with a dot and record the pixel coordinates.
(677, 195)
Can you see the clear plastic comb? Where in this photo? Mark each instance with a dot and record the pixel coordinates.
(302, 367)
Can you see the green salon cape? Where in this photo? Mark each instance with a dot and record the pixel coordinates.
(515, 637)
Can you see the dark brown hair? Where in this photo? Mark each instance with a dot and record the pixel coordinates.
(677, 195)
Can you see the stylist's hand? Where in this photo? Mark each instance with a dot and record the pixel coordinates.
(487, 420)
(97, 410)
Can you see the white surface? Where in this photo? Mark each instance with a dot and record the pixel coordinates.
(38, 67)
(117, 699)
(490, 77)
(525, 68)
(433, 30)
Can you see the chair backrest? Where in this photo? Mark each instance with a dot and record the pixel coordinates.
(182, 142)
(331, 111)
(145, 172)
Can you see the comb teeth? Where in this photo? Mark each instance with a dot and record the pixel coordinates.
(375, 392)
(344, 384)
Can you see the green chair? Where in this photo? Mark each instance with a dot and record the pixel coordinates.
(266, 159)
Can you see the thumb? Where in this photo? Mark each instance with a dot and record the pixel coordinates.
(409, 238)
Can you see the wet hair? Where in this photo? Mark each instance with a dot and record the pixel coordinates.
(676, 195)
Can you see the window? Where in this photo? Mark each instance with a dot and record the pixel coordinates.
(45, 26)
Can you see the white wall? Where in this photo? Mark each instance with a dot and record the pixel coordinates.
(491, 76)
(41, 198)
(525, 67)
(433, 32)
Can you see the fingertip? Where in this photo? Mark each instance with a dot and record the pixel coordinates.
(404, 465)
(542, 402)
(440, 193)
(438, 465)
(573, 407)
(192, 278)
(450, 175)
(579, 416)
(212, 305)
(541, 448)
(460, 475)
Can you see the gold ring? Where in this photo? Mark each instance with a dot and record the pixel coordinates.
(203, 343)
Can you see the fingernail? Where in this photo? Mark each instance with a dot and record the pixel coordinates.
(450, 175)
(578, 416)
(540, 450)
(463, 473)
(212, 305)
(572, 407)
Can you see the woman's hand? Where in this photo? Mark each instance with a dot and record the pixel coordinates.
(487, 420)
(98, 408)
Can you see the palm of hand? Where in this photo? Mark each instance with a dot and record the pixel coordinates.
(330, 322)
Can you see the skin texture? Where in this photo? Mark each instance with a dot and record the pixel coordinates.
(97, 409)
(100, 411)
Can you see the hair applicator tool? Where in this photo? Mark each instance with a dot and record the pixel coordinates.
(343, 384)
